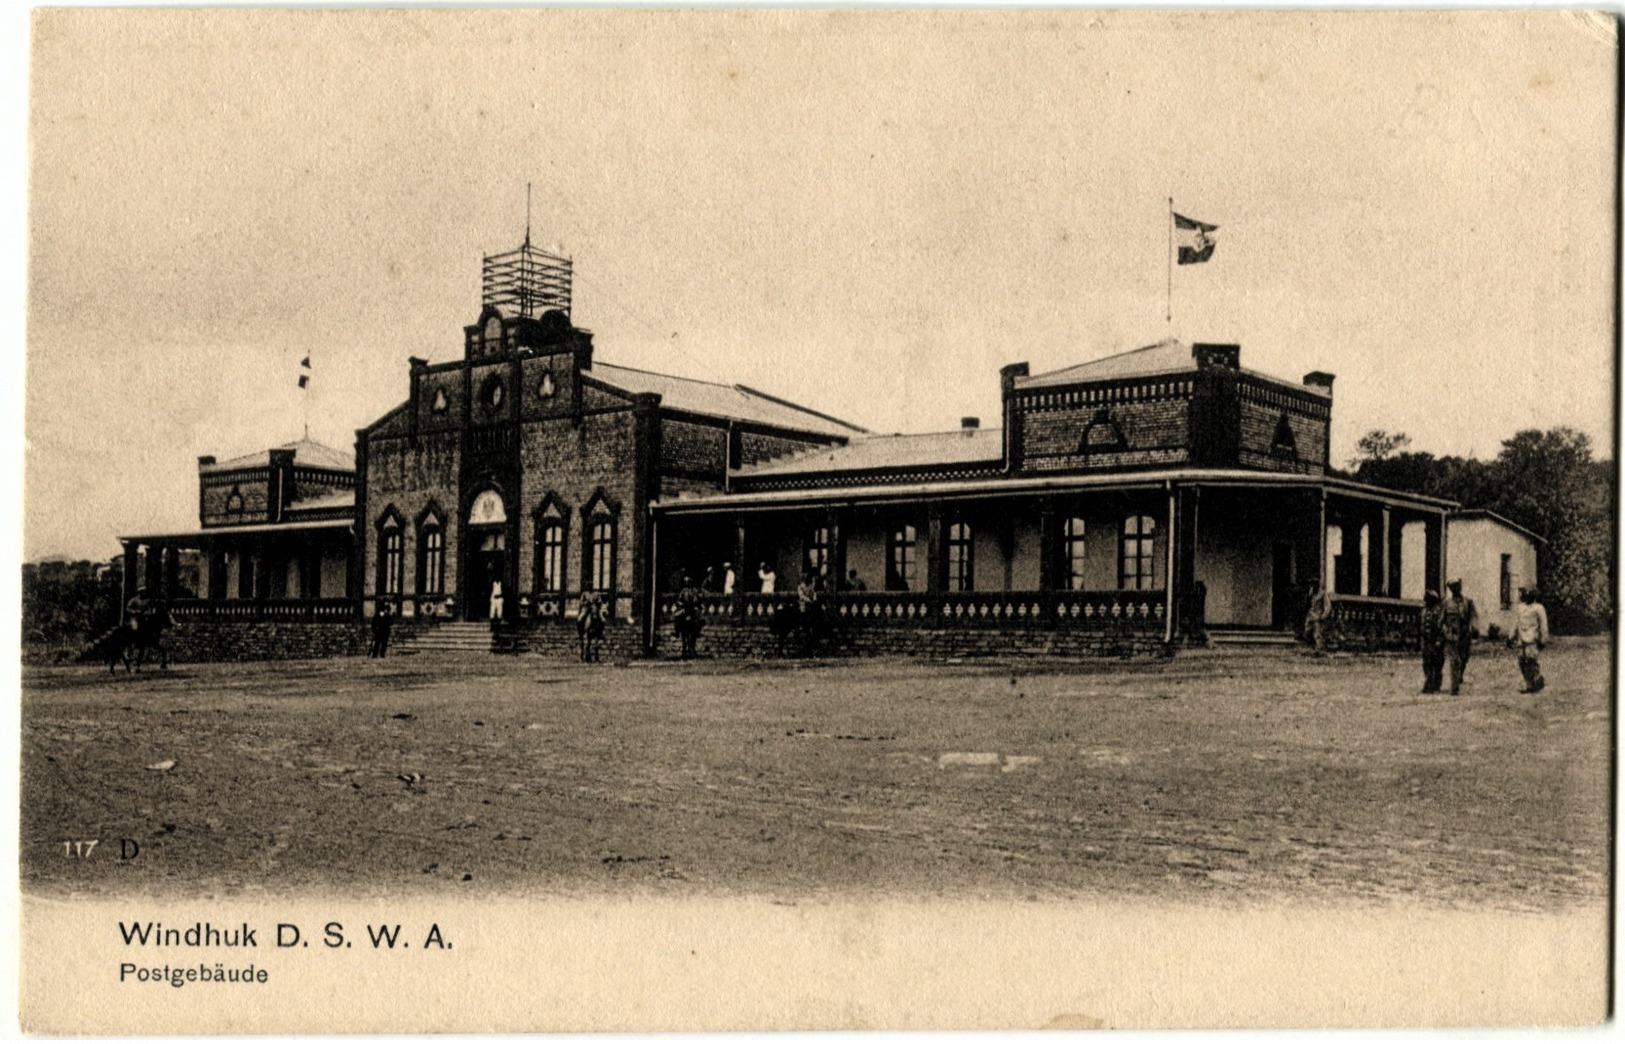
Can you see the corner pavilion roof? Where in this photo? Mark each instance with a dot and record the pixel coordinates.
(721, 400)
(1165, 357)
(305, 451)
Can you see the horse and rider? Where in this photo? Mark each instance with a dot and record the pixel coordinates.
(142, 633)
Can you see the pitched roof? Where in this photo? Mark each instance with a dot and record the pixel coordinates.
(965, 446)
(305, 451)
(1164, 357)
(1168, 356)
(341, 499)
(1474, 514)
(720, 400)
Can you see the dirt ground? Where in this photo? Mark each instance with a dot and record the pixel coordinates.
(1211, 776)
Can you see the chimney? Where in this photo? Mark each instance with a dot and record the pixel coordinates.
(1320, 381)
(969, 424)
(204, 462)
(1225, 355)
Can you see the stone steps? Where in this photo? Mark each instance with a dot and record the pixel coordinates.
(1238, 639)
(472, 637)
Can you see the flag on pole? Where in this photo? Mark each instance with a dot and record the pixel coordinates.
(1197, 247)
(304, 372)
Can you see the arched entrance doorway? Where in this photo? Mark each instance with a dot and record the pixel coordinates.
(486, 558)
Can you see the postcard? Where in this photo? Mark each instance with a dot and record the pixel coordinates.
(632, 520)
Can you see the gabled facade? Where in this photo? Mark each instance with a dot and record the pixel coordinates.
(520, 475)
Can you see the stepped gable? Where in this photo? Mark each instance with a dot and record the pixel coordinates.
(728, 401)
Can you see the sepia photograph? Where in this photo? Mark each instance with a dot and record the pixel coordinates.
(648, 521)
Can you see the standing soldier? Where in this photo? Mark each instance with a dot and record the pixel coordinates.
(689, 618)
(590, 624)
(1318, 616)
(1529, 638)
(1432, 643)
(1460, 628)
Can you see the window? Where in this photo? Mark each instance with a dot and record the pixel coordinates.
(234, 501)
(1072, 547)
(493, 335)
(601, 555)
(544, 388)
(550, 555)
(1135, 561)
(961, 550)
(391, 561)
(432, 561)
(1102, 433)
(491, 392)
(1506, 581)
(1285, 443)
(902, 566)
(439, 403)
(818, 551)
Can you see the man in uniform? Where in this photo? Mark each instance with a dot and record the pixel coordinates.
(689, 617)
(1529, 638)
(1460, 628)
(138, 610)
(1432, 643)
(1318, 616)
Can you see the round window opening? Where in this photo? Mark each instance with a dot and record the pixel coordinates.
(491, 392)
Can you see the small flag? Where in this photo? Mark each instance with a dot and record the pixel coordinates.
(1198, 247)
(304, 371)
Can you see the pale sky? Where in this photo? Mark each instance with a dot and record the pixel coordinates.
(866, 213)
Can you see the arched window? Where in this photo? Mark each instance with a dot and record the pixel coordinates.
(818, 542)
(391, 559)
(1073, 548)
(599, 518)
(1135, 560)
(431, 556)
(601, 556)
(961, 564)
(550, 556)
(902, 565)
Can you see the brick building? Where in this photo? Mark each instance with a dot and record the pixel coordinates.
(1127, 503)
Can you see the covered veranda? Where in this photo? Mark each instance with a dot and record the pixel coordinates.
(284, 571)
(1164, 555)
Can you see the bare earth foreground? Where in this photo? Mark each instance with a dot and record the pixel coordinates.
(1209, 777)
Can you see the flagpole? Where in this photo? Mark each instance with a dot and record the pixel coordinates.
(1170, 315)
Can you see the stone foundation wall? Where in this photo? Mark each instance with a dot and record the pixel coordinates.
(558, 640)
(759, 642)
(205, 641)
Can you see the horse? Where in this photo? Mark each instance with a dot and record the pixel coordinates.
(132, 641)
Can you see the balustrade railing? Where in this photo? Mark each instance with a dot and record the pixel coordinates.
(1094, 610)
(335, 610)
(1387, 621)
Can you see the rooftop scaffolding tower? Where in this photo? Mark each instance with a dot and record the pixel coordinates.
(526, 282)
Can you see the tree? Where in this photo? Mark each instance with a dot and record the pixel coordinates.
(1378, 445)
(1545, 481)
